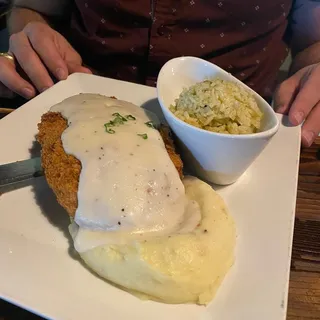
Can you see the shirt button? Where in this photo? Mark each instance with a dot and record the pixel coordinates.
(162, 30)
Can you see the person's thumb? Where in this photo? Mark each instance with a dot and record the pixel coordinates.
(74, 67)
(285, 95)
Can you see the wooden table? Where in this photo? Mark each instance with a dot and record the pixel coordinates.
(304, 292)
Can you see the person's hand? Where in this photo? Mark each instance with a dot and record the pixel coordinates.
(39, 50)
(299, 97)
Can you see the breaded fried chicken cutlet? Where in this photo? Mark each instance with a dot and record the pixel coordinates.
(62, 170)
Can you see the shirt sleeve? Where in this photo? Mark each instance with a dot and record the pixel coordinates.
(305, 23)
(50, 8)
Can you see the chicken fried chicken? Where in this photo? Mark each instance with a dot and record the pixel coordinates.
(62, 170)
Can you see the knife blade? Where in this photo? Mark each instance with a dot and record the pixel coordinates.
(15, 172)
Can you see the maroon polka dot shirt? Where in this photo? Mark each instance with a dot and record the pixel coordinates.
(131, 40)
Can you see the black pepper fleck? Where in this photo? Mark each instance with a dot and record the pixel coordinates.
(95, 132)
(99, 158)
(101, 148)
(131, 154)
(122, 209)
(205, 230)
(138, 145)
(119, 223)
(86, 150)
(154, 169)
(168, 195)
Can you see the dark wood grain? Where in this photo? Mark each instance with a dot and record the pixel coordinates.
(304, 291)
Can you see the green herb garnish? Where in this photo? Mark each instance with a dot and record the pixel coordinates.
(109, 124)
(143, 136)
(130, 117)
(117, 121)
(119, 116)
(109, 130)
(150, 124)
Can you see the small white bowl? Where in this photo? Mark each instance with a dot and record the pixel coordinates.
(215, 157)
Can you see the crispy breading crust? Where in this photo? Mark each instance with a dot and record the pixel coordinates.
(62, 171)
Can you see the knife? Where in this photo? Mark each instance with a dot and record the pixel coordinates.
(15, 172)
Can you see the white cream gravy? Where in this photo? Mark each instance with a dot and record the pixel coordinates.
(128, 186)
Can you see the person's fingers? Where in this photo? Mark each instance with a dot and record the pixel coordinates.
(307, 98)
(29, 61)
(285, 95)
(13, 81)
(47, 50)
(71, 57)
(311, 126)
(75, 67)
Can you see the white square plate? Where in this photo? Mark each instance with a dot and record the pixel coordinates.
(39, 272)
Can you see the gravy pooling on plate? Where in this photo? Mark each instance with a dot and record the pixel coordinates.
(128, 184)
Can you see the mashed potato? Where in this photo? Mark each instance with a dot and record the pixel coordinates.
(182, 268)
(219, 106)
